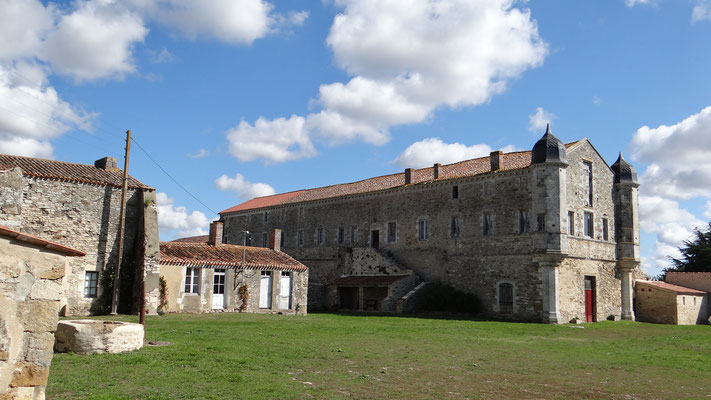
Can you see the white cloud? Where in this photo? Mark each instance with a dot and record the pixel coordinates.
(23, 24)
(161, 56)
(597, 100)
(94, 41)
(396, 51)
(701, 11)
(275, 140)
(202, 153)
(537, 122)
(632, 3)
(427, 152)
(244, 189)
(679, 157)
(707, 213)
(178, 220)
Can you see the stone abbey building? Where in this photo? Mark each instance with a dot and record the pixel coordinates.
(550, 234)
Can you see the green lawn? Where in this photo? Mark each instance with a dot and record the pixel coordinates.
(328, 356)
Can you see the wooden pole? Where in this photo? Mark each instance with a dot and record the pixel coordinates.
(122, 220)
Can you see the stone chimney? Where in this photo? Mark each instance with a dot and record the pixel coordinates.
(435, 170)
(275, 239)
(408, 176)
(215, 238)
(496, 158)
(106, 163)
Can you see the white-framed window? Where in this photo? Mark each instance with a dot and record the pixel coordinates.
(422, 229)
(319, 236)
(300, 238)
(91, 283)
(354, 234)
(192, 280)
(488, 224)
(588, 225)
(392, 232)
(454, 230)
(523, 221)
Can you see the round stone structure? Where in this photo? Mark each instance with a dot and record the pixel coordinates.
(88, 336)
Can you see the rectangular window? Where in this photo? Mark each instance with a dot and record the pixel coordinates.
(91, 283)
(392, 232)
(571, 223)
(265, 239)
(422, 229)
(341, 235)
(319, 236)
(192, 280)
(266, 216)
(523, 222)
(604, 229)
(488, 224)
(454, 227)
(281, 238)
(248, 239)
(354, 234)
(455, 192)
(300, 238)
(588, 176)
(588, 225)
(541, 222)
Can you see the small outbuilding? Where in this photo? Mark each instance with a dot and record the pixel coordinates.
(210, 276)
(666, 303)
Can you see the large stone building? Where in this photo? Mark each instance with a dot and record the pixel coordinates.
(79, 205)
(550, 234)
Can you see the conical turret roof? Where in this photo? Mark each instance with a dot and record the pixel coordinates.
(548, 149)
(624, 171)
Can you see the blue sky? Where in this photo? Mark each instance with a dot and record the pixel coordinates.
(237, 98)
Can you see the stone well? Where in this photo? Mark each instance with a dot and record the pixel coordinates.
(92, 336)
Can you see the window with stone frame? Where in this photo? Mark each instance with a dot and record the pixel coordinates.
(488, 224)
(523, 222)
(541, 222)
(455, 192)
(300, 238)
(319, 236)
(506, 298)
(588, 227)
(266, 216)
(192, 280)
(454, 229)
(588, 182)
(281, 238)
(422, 229)
(91, 283)
(354, 234)
(392, 232)
(571, 223)
(605, 235)
(340, 236)
(265, 239)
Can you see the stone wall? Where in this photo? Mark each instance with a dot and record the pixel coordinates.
(30, 293)
(607, 300)
(692, 309)
(655, 305)
(84, 217)
(693, 280)
(468, 260)
(179, 301)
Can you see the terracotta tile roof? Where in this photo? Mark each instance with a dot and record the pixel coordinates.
(477, 166)
(193, 239)
(367, 280)
(40, 242)
(226, 256)
(670, 287)
(64, 171)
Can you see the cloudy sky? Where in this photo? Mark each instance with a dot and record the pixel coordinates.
(243, 98)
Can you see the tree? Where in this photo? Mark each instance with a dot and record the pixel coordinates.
(695, 254)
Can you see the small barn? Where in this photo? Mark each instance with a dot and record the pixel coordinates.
(210, 276)
(666, 303)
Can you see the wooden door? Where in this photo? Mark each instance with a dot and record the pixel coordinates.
(218, 289)
(590, 299)
(285, 291)
(375, 239)
(265, 290)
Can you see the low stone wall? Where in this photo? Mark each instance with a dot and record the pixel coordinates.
(95, 337)
(30, 293)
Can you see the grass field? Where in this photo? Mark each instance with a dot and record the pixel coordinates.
(329, 356)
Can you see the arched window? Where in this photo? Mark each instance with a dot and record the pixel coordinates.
(506, 300)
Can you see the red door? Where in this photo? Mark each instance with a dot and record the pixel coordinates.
(590, 299)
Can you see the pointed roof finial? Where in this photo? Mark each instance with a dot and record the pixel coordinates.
(548, 128)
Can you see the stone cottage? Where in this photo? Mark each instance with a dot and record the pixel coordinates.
(550, 234)
(31, 273)
(204, 276)
(79, 205)
(666, 303)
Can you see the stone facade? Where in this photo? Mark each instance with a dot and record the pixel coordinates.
(695, 280)
(85, 216)
(31, 273)
(665, 303)
(500, 232)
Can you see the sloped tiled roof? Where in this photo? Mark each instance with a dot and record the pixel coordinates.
(4, 231)
(226, 256)
(670, 287)
(193, 239)
(477, 166)
(71, 172)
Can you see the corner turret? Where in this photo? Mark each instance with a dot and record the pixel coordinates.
(548, 149)
(624, 171)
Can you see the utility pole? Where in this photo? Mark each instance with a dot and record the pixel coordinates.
(122, 220)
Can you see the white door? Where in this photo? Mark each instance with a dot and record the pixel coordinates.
(218, 289)
(285, 291)
(265, 290)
